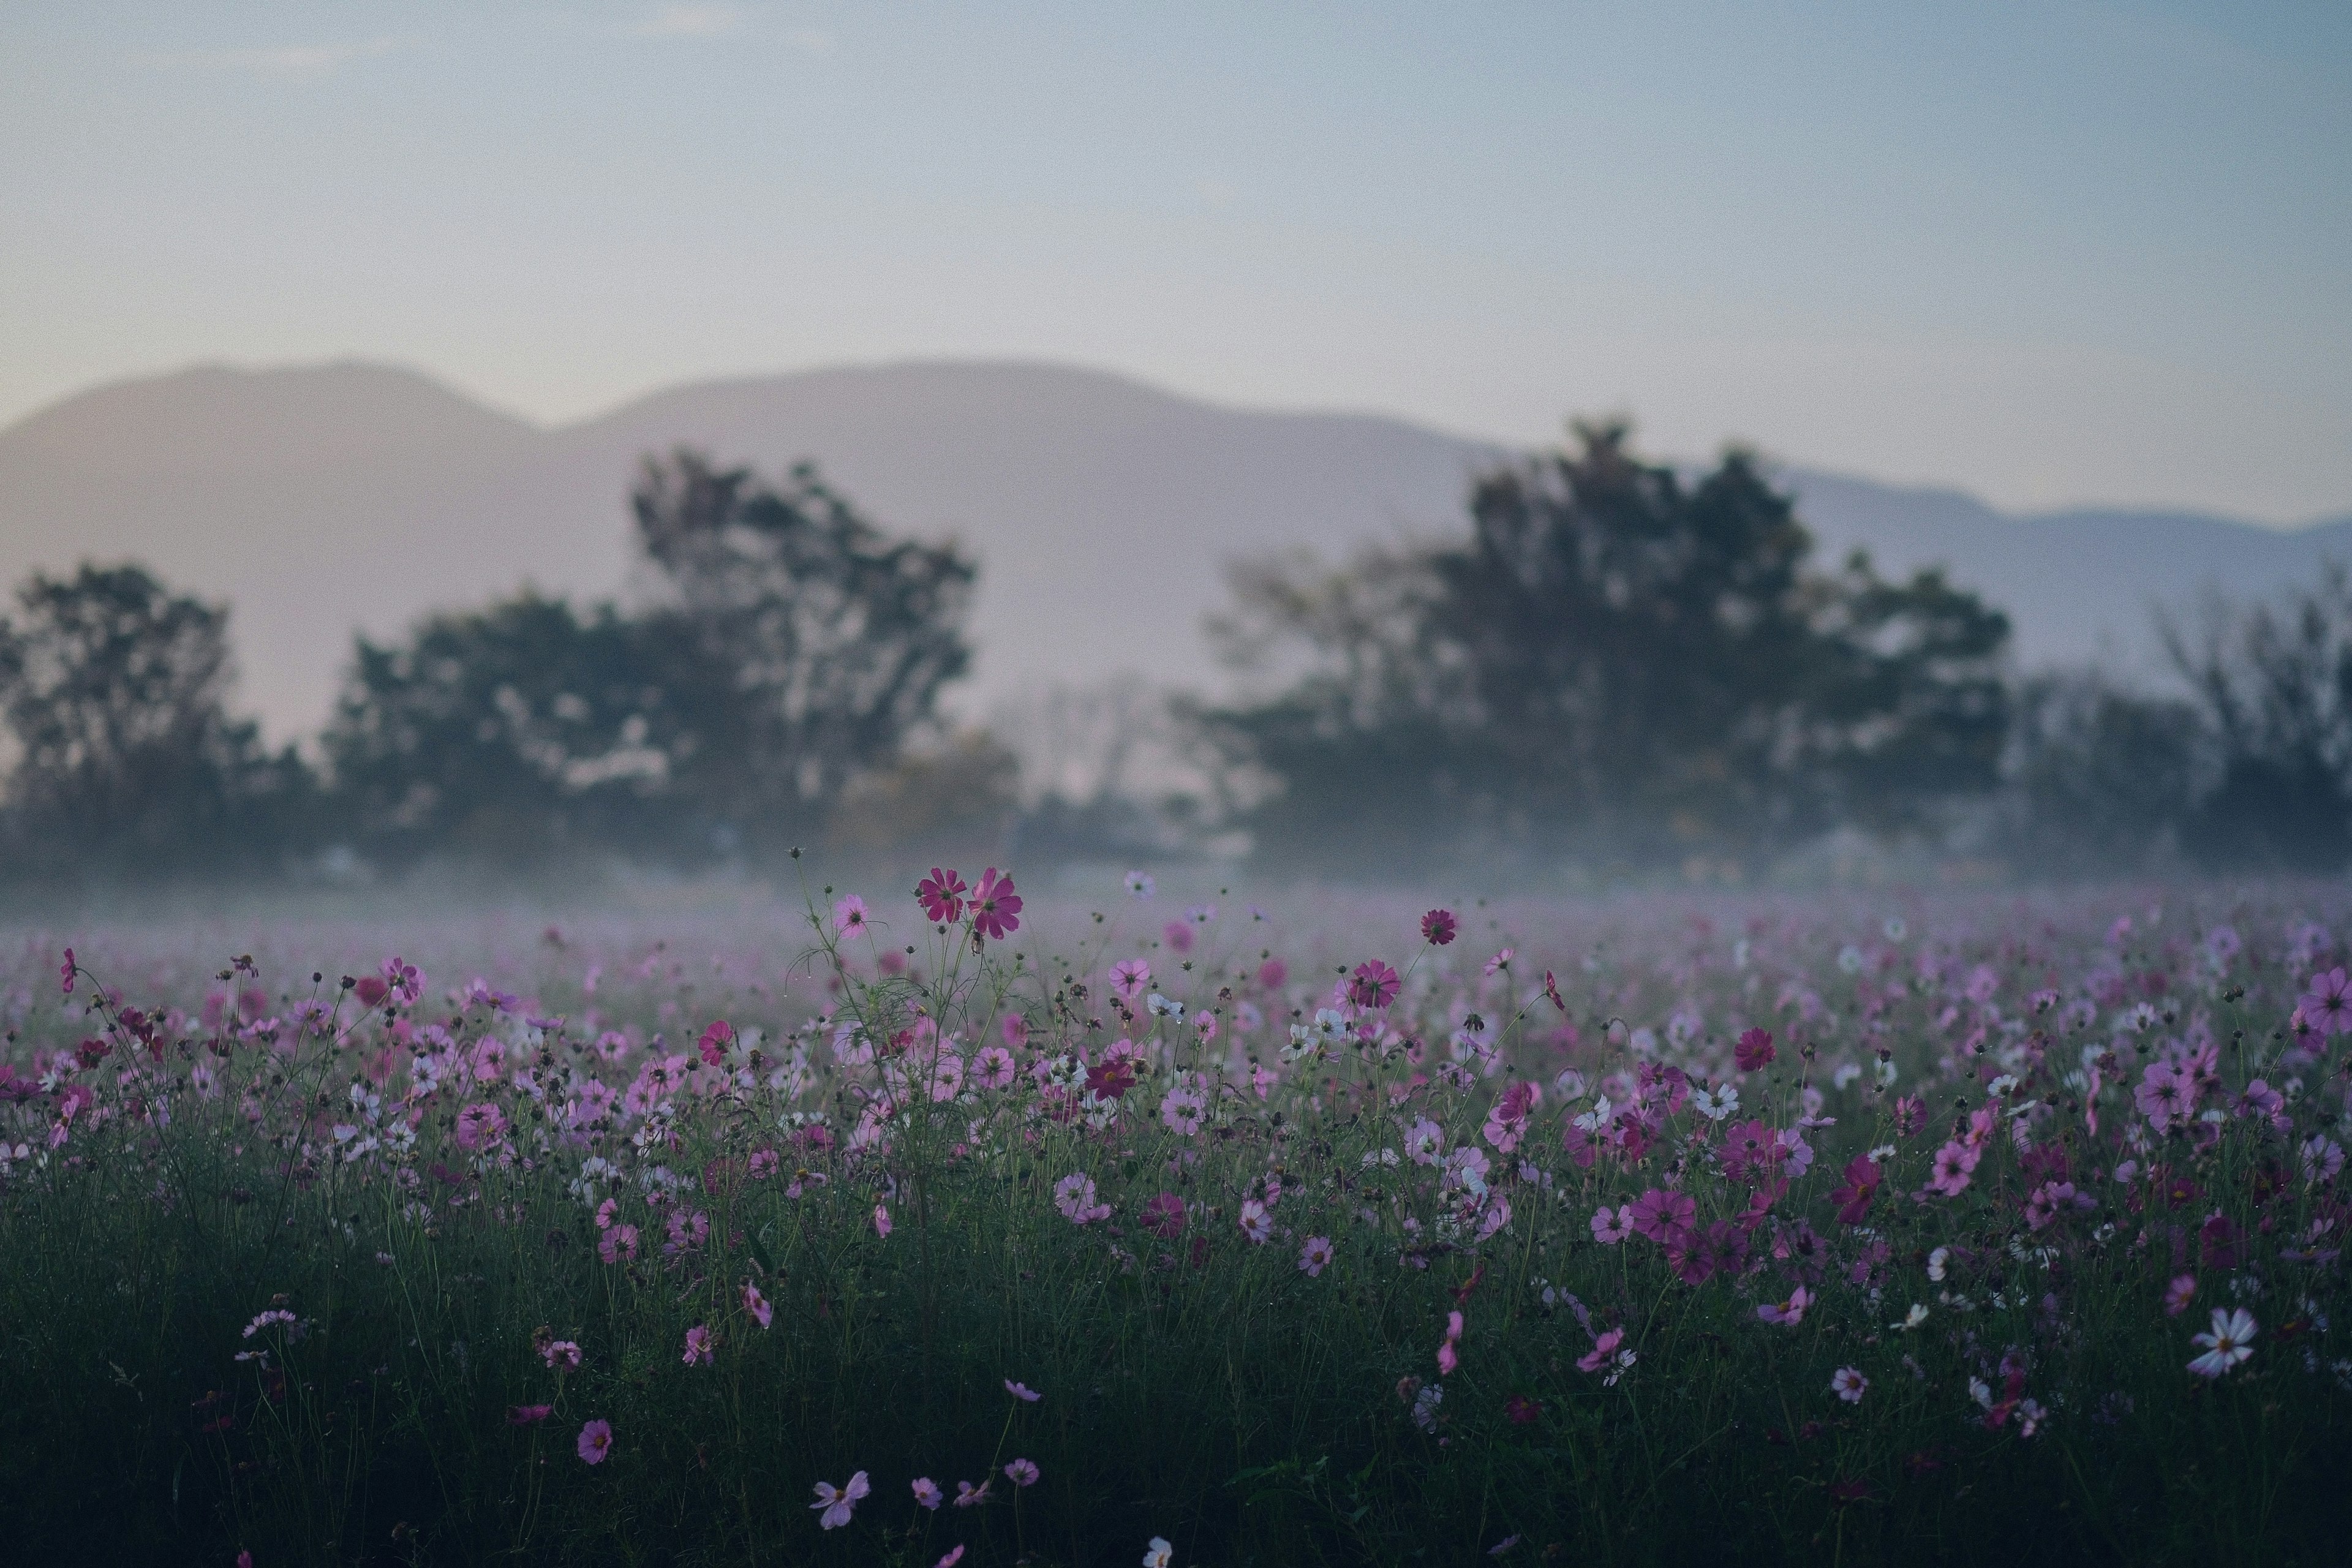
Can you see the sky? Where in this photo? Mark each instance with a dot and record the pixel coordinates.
(2054, 253)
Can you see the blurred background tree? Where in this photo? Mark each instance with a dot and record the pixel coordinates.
(126, 764)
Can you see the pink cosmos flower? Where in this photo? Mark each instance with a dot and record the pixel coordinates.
(952, 1559)
(2227, 1345)
(1128, 977)
(757, 1305)
(595, 1442)
(66, 971)
(2166, 1095)
(618, 1243)
(1501, 961)
(995, 907)
(1610, 1226)
(1255, 1222)
(1660, 1216)
(1849, 1384)
(1315, 1255)
(1790, 1312)
(697, 1345)
(966, 1497)
(1157, 1552)
(2177, 1294)
(1853, 1198)
(1023, 1473)
(1437, 927)
(941, 896)
(833, 1503)
(1754, 1052)
(927, 1492)
(480, 1126)
(1374, 985)
(882, 1221)
(1448, 1357)
(1021, 1391)
(849, 918)
(992, 1067)
(1074, 1194)
(1954, 1165)
(1604, 1347)
(527, 1415)
(2327, 1005)
(560, 1352)
(1163, 1216)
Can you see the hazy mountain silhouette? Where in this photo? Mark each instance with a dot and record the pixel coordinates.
(324, 499)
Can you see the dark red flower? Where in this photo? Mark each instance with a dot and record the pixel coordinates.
(1520, 1410)
(1754, 1052)
(1437, 927)
(1109, 1079)
(1853, 1199)
(1163, 1217)
(941, 895)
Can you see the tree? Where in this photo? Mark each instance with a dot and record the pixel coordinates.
(2103, 780)
(113, 690)
(2274, 686)
(1616, 663)
(833, 639)
(510, 732)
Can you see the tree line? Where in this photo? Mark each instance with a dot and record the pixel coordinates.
(1611, 665)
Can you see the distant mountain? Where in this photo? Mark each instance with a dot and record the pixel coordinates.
(326, 499)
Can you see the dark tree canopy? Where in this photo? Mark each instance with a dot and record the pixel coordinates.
(1613, 662)
(112, 690)
(835, 639)
(790, 647)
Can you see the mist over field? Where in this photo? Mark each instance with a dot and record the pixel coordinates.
(1029, 785)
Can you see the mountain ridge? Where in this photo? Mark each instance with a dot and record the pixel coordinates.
(353, 495)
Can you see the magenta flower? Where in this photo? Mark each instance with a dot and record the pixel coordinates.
(1604, 1348)
(712, 1046)
(995, 907)
(2177, 1294)
(882, 1221)
(697, 1345)
(1021, 1391)
(927, 1492)
(1023, 1473)
(1610, 1226)
(595, 1442)
(1954, 1165)
(560, 1352)
(1754, 1052)
(480, 1126)
(1163, 1216)
(1660, 1216)
(762, 1314)
(66, 971)
(2327, 1006)
(1315, 1255)
(1374, 985)
(952, 1559)
(1790, 1312)
(941, 895)
(1437, 927)
(1853, 1198)
(526, 1414)
(833, 1503)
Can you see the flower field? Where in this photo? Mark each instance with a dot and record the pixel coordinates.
(958, 1224)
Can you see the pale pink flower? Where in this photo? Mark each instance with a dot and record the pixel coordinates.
(1315, 1255)
(1023, 1473)
(927, 1492)
(560, 1352)
(1021, 1391)
(836, 1502)
(882, 1220)
(697, 1345)
(596, 1441)
(1255, 1223)
(1849, 1384)
(1610, 1226)
(2177, 1294)
(1790, 1312)
(967, 1497)
(1604, 1347)
(761, 1312)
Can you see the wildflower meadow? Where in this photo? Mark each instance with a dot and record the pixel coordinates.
(955, 1223)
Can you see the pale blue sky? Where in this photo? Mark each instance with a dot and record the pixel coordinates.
(2054, 252)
